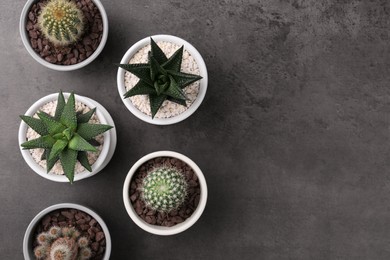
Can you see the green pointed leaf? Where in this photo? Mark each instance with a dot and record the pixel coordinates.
(45, 142)
(84, 118)
(50, 163)
(174, 62)
(68, 116)
(45, 155)
(82, 157)
(68, 158)
(88, 131)
(141, 88)
(156, 102)
(60, 106)
(36, 124)
(156, 69)
(157, 53)
(52, 126)
(174, 90)
(80, 144)
(177, 101)
(142, 71)
(184, 79)
(57, 148)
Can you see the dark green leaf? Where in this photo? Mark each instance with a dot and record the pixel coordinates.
(68, 116)
(52, 126)
(82, 157)
(68, 158)
(183, 79)
(57, 148)
(178, 101)
(36, 124)
(174, 90)
(60, 106)
(156, 69)
(84, 118)
(174, 62)
(142, 71)
(80, 144)
(50, 163)
(45, 154)
(89, 131)
(45, 142)
(141, 88)
(157, 53)
(156, 102)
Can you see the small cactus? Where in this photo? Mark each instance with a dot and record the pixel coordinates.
(62, 244)
(164, 189)
(61, 22)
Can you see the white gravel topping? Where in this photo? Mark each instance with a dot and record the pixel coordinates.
(57, 168)
(168, 108)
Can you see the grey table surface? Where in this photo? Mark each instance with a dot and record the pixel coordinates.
(293, 135)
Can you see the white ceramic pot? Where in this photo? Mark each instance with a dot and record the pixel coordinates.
(38, 58)
(203, 82)
(160, 230)
(106, 153)
(28, 236)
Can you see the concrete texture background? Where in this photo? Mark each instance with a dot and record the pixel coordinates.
(293, 135)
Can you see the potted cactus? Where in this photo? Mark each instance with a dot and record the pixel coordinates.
(165, 193)
(67, 140)
(163, 79)
(64, 34)
(67, 231)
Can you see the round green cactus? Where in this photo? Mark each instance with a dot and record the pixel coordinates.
(62, 244)
(61, 22)
(164, 189)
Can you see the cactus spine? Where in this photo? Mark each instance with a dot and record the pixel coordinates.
(61, 22)
(62, 244)
(164, 189)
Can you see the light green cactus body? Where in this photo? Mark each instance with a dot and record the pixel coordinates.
(61, 22)
(164, 189)
(62, 244)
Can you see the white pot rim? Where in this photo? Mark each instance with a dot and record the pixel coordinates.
(27, 240)
(106, 153)
(39, 59)
(160, 230)
(203, 82)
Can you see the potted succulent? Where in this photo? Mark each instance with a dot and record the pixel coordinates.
(165, 193)
(64, 35)
(67, 231)
(67, 140)
(163, 79)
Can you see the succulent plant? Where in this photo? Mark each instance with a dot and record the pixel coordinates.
(61, 22)
(62, 244)
(160, 78)
(164, 189)
(66, 137)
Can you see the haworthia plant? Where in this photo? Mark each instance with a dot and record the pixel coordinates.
(67, 136)
(160, 78)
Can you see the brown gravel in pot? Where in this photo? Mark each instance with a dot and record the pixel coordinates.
(83, 222)
(74, 53)
(159, 218)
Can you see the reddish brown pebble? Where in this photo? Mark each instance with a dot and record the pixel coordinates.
(39, 42)
(89, 53)
(73, 60)
(133, 197)
(84, 227)
(29, 25)
(60, 57)
(67, 214)
(31, 16)
(92, 222)
(76, 53)
(95, 246)
(62, 224)
(46, 220)
(99, 236)
(33, 34)
(51, 59)
(34, 43)
(80, 221)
